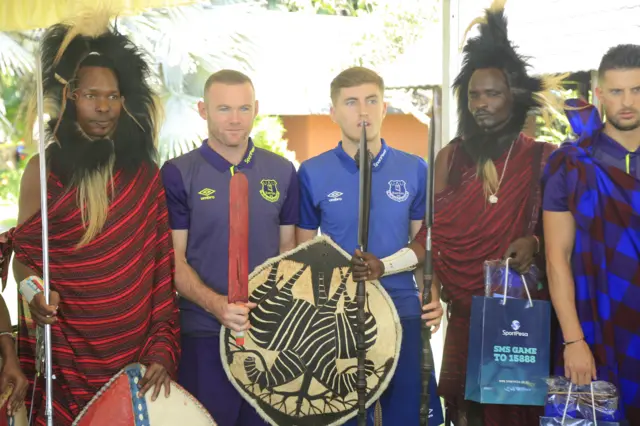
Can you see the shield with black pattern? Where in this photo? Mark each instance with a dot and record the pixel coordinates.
(298, 362)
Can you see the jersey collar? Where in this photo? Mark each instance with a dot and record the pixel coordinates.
(350, 163)
(221, 164)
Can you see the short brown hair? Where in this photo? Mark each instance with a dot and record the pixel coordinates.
(352, 77)
(226, 77)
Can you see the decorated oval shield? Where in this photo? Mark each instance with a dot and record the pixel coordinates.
(298, 363)
(118, 404)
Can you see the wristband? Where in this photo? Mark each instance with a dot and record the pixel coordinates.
(401, 261)
(30, 287)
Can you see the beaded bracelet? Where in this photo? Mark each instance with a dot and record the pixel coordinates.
(8, 333)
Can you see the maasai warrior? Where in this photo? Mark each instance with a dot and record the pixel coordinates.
(592, 234)
(487, 201)
(329, 201)
(197, 186)
(111, 259)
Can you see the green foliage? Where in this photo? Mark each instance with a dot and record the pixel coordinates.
(13, 94)
(403, 23)
(556, 131)
(268, 133)
(328, 7)
(556, 128)
(10, 185)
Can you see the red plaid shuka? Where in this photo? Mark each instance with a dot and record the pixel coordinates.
(117, 301)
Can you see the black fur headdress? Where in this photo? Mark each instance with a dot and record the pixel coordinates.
(91, 40)
(493, 49)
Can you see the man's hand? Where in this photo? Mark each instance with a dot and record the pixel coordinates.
(234, 316)
(366, 266)
(43, 313)
(579, 365)
(157, 376)
(13, 380)
(522, 252)
(432, 314)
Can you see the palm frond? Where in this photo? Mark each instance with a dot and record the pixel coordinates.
(183, 127)
(187, 44)
(15, 59)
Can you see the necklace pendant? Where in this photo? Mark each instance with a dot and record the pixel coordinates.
(493, 199)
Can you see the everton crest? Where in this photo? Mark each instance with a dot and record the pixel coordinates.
(269, 190)
(398, 190)
(298, 362)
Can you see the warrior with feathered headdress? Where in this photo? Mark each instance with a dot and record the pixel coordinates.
(111, 265)
(488, 197)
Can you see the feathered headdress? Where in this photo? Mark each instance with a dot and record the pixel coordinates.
(89, 39)
(74, 157)
(493, 49)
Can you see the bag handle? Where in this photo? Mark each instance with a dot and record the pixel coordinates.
(506, 282)
(593, 405)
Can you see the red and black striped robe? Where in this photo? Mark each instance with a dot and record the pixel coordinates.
(468, 230)
(117, 301)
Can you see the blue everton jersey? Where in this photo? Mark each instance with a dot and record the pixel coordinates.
(329, 201)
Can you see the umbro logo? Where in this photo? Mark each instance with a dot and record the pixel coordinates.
(207, 194)
(335, 196)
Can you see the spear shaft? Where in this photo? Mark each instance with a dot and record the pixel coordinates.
(45, 242)
(364, 164)
(427, 354)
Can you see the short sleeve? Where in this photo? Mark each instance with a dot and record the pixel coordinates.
(419, 204)
(555, 197)
(309, 212)
(290, 212)
(177, 199)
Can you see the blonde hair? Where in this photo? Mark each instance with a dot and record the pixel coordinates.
(226, 77)
(93, 198)
(489, 176)
(352, 77)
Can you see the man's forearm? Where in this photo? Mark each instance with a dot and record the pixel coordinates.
(191, 287)
(563, 297)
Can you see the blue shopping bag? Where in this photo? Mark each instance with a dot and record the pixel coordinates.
(509, 351)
